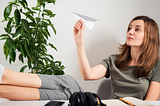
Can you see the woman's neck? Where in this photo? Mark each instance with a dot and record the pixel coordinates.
(135, 52)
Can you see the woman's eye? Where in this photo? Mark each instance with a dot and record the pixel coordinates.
(137, 29)
(129, 29)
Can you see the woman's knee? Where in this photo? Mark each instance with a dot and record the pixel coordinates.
(5, 76)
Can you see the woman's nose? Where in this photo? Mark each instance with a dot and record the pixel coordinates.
(131, 31)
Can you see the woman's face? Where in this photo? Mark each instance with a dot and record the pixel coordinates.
(135, 34)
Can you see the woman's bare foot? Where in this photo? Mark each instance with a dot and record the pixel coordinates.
(1, 71)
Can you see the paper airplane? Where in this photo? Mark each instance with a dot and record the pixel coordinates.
(89, 22)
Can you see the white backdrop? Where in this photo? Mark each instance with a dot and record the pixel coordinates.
(100, 42)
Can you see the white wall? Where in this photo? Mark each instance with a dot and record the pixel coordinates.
(100, 42)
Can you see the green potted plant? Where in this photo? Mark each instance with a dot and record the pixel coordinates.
(27, 34)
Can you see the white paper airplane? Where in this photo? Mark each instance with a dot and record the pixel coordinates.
(89, 22)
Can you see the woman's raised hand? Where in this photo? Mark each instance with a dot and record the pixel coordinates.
(87, 72)
(78, 31)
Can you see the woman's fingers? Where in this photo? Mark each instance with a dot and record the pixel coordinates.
(77, 25)
(81, 23)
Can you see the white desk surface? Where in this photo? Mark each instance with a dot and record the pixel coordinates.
(42, 103)
(155, 103)
(25, 103)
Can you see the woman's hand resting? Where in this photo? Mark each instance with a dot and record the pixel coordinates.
(78, 31)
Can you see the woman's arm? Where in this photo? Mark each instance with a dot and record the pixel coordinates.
(87, 72)
(153, 91)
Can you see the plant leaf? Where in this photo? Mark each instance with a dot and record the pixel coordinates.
(4, 38)
(8, 30)
(53, 29)
(4, 35)
(9, 22)
(13, 3)
(17, 17)
(36, 8)
(51, 1)
(22, 49)
(34, 59)
(13, 35)
(25, 2)
(27, 49)
(38, 19)
(52, 46)
(22, 3)
(41, 62)
(45, 33)
(44, 24)
(59, 63)
(30, 11)
(7, 11)
(12, 55)
(39, 3)
(5, 50)
(10, 60)
(29, 16)
(49, 12)
(10, 44)
(25, 24)
(54, 2)
(50, 23)
(35, 68)
(29, 63)
(23, 68)
(32, 24)
(50, 56)
(18, 29)
(21, 58)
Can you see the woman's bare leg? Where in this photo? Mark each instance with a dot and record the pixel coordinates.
(19, 93)
(20, 79)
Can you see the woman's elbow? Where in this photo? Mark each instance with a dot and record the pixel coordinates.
(86, 78)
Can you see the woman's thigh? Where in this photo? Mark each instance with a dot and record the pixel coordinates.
(46, 94)
(60, 82)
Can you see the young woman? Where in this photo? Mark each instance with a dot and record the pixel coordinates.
(134, 72)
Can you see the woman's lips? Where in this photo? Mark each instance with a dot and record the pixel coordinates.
(129, 38)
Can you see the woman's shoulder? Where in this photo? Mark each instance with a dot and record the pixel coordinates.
(156, 67)
(114, 56)
(155, 72)
(157, 64)
(111, 58)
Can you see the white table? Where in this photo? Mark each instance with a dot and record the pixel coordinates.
(6, 102)
(26, 103)
(156, 103)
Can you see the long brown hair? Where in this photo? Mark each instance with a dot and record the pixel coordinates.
(150, 49)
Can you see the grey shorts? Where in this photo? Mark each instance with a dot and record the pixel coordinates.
(58, 87)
